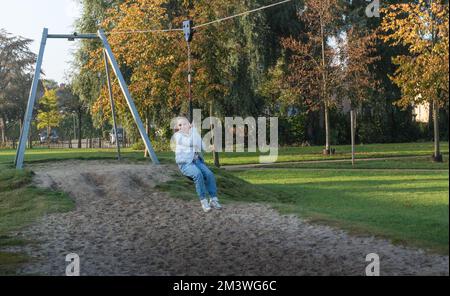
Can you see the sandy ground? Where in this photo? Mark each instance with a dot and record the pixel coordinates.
(123, 226)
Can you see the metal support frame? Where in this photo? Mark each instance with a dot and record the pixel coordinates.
(111, 100)
(20, 153)
(128, 98)
(30, 106)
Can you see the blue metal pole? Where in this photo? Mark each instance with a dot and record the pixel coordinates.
(31, 102)
(128, 98)
(111, 100)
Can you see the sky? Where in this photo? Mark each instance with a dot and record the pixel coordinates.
(27, 18)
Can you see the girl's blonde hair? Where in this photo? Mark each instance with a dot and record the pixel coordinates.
(174, 122)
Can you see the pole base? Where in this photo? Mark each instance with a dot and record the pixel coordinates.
(216, 160)
(331, 151)
(437, 158)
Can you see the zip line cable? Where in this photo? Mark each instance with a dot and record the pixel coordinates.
(144, 31)
(201, 25)
(241, 14)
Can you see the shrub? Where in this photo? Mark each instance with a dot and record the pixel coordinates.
(158, 145)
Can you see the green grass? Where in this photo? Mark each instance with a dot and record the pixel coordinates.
(9, 262)
(290, 154)
(419, 163)
(231, 188)
(20, 205)
(286, 154)
(410, 208)
(44, 155)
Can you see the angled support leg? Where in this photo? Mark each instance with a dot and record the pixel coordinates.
(127, 95)
(20, 153)
(111, 99)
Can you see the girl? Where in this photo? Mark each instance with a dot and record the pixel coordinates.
(189, 158)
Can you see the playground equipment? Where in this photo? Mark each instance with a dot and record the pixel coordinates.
(188, 30)
(108, 56)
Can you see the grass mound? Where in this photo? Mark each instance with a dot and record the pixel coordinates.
(21, 204)
(229, 187)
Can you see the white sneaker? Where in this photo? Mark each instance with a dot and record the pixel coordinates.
(214, 203)
(205, 205)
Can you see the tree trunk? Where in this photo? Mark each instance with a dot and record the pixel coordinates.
(352, 124)
(48, 136)
(79, 128)
(437, 157)
(327, 130)
(324, 91)
(30, 139)
(2, 130)
(215, 153)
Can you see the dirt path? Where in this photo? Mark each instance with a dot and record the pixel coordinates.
(122, 226)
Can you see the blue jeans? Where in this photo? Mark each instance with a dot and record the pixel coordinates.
(202, 176)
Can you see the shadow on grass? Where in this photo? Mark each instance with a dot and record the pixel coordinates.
(410, 216)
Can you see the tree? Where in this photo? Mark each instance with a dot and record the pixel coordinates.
(86, 81)
(146, 60)
(311, 58)
(379, 119)
(71, 104)
(155, 64)
(16, 64)
(355, 54)
(48, 114)
(423, 73)
(274, 87)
